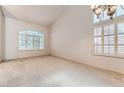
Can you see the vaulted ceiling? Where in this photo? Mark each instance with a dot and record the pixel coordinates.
(36, 14)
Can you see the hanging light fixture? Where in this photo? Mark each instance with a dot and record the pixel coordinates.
(99, 10)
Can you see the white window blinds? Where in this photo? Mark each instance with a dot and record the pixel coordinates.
(98, 40)
(108, 39)
(120, 38)
(30, 40)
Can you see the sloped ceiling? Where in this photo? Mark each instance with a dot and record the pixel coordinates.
(36, 14)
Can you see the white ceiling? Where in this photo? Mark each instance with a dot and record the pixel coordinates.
(37, 14)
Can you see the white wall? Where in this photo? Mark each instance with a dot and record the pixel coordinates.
(12, 27)
(1, 29)
(71, 38)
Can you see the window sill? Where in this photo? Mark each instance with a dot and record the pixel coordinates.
(110, 56)
(23, 50)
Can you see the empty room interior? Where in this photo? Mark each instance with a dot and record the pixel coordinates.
(61, 45)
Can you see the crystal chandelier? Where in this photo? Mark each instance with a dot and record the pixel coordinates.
(99, 10)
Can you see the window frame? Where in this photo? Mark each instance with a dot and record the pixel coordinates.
(23, 50)
(116, 20)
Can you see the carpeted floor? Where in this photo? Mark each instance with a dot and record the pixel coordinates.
(48, 71)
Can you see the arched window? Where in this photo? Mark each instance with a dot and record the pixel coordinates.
(30, 40)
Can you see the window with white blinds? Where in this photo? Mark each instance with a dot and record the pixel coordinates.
(109, 35)
(30, 40)
(109, 39)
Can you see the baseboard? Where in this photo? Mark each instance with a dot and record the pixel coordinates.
(0, 61)
(23, 58)
(102, 69)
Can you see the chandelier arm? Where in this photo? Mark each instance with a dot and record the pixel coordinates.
(104, 7)
(122, 7)
(102, 14)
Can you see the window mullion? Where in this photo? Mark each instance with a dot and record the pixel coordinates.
(33, 42)
(102, 39)
(116, 39)
(26, 40)
(38, 42)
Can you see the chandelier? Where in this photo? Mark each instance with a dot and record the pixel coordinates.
(100, 10)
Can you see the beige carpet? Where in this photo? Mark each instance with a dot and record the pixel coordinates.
(52, 71)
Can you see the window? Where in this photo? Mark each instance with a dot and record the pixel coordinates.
(119, 12)
(109, 36)
(30, 40)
